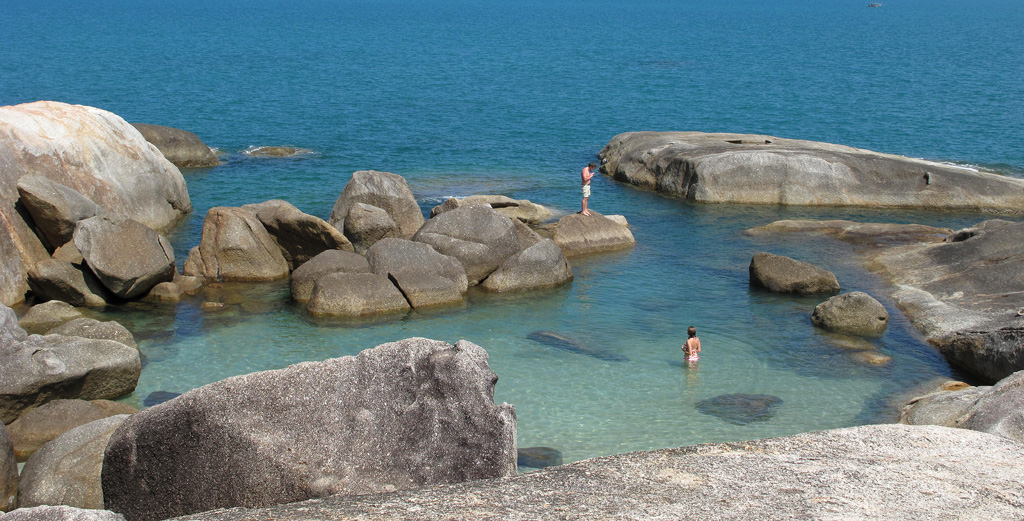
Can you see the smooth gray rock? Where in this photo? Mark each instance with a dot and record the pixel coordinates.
(61, 513)
(91, 328)
(579, 234)
(55, 208)
(181, 147)
(941, 407)
(331, 261)
(424, 290)
(426, 278)
(48, 315)
(301, 236)
(522, 210)
(366, 224)
(855, 313)
(402, 415)
(11, 332)
(1000, 410)
(8, 472)
(525, 235)
(126, 256)
(890, 472)
(235, 246)
(44, 368)
(384, 190)
(166, 292)
(480, 238)
(542, 265)
(785, 275)
(354, 295)
(66, 471)
(92, 152)
(56, 280)
(39, 426)
(757, 169)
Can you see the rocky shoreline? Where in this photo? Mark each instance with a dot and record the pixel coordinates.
(409, 430)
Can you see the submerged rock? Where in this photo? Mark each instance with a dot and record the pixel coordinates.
(181, 147)
(740, 409)
(785, 275)
(567, 343)
(158, 397)
(402, 415)
(757, 169)
(539, 457)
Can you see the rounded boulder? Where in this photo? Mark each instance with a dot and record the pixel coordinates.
(854, 313)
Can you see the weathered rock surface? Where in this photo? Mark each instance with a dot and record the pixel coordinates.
(520, 209)
(757, 169)
(579, 234)
(785, 275)
(55, 208)
(61, 513)
(66, 471)
(331, 261)
(354, 295)
(366, 224)
(891, 472)
(301, 236)
(90, 151)
(542, 265)
(425, 277)
(235, 247)
(480, 238)
(57, 280)
(91, 328)
(406, 414)
(997, 409)
(855, 313)
(48, 315)
(384, 190)
(38, 369)
(39, 426)
(8, 472)
(126, 256)
(181, 147)
(164, 292)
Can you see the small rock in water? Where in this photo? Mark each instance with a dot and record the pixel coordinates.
(158, 397)
(539, 457)
(740, 409)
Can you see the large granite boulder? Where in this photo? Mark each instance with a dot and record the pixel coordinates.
(39, 426)
(235, 246)
(90, 151)
(331, 261)
(384, 190)
(426, 277)
(579, 234)
(38, 369)
(355, 295)
(48, 315)
(997, 409)
(402, 415)
(855, 313)
(301, 236)
(480, 238)
(11, 332)
(91, 328)
(126, 256)
(785, 275)
(181, 147)
(542, 265)
(61, 513)
(520, 209)
(55, 208)
(52, 279)
(366, 224)
(891, 472)
(66, 471)
(757, 169)
(8, 472)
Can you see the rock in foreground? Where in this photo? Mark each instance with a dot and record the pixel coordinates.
(756, 169)
(402, 415)
(884, 472)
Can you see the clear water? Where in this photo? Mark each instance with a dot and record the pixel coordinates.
(515, 97)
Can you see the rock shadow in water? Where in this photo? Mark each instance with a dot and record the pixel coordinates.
(740, 409)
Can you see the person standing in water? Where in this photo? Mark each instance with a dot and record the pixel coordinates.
(692, 345)
(586, 175)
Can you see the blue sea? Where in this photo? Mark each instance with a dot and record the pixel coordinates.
(515, 97)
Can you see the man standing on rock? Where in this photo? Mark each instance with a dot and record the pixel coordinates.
(586, 175)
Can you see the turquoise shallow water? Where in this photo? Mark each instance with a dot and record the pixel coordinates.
(515, 97)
